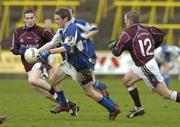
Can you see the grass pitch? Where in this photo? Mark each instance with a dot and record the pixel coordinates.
(25, 107)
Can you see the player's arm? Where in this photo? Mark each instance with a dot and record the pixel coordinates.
(57, 50)
(89, 34)
(14, 44)
(118, 47)
(53, 43)
(68, 44)
(48, 49)
(47, 36)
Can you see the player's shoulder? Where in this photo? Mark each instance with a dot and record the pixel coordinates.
(131, 29)
(40, 28)
(80, 21)
(18, 29)
(71, 27)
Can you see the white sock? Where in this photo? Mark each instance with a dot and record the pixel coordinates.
(131, 88)
(55, 96)
(173, 95)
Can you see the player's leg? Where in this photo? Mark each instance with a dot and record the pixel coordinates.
(155, 79)
(101, 87)
(64, 104)
(35, 78)
(163, 91)
(46, 94)
(129, 80)
(2, 119)
(85, 79)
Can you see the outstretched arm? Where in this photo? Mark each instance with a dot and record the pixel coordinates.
(120, 46)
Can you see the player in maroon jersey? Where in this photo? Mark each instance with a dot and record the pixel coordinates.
(141, 41)
(32, 35)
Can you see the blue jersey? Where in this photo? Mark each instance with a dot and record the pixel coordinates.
(85, 27)
(70, 38)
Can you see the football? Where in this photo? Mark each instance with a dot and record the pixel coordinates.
(31, 55)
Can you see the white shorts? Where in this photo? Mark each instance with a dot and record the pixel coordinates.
(150, 73)
(39, 66)
(69, 70)
(83, 77)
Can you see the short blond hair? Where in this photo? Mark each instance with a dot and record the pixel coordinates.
(133, 16)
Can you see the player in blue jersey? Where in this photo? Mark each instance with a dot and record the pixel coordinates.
(76, 65)
(87, 31)
(166, 57)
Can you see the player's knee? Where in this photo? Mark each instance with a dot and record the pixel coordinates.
(105, 93)
(125, 81)
(52, 81)
(89, 92)
(32, 81)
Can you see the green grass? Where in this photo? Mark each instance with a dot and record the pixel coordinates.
(24, 107)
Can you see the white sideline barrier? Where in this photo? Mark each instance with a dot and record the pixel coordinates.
(107, 64)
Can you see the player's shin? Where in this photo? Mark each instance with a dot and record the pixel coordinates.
(133, 91)
(107, 104)
(113, 109)
(103, 90)
(61, 98)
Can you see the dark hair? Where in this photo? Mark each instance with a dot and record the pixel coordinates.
(69, 8)
(63, 13)
(133, 16)
(29, 10)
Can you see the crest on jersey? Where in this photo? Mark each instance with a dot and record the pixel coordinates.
(21, 40)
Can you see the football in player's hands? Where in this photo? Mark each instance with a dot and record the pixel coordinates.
(31, 54)
(43, 55)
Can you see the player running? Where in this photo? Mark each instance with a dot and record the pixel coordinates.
(141, 41)
(76, 65)
(32, 35)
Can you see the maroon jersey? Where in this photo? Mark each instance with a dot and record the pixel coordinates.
(140, 41)
(29, 37)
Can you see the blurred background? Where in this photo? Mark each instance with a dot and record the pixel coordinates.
(107, 15)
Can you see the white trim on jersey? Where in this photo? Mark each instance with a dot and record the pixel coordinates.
(85, 28)
(56, 39)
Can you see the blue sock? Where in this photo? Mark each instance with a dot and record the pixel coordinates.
(61, 98)
(166, 79)
(107, 104)
(111, 100)
(100, 86)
